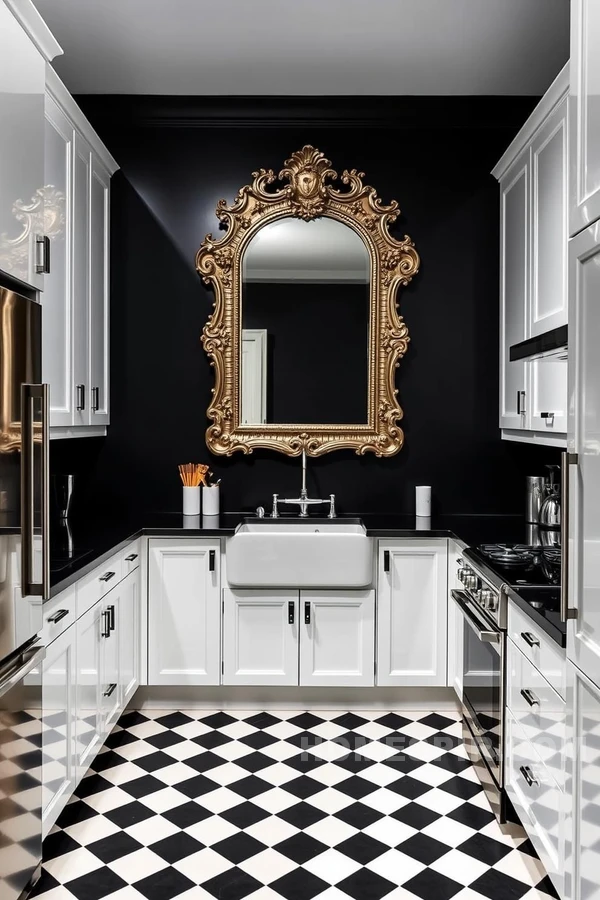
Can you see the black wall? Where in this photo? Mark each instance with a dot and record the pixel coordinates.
(178, 156)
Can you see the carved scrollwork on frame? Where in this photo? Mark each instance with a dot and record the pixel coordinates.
(308, 192)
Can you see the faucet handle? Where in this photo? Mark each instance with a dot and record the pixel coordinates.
(260, 512)
(275, 510)
(332, 512)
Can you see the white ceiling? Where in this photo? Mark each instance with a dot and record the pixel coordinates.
(309, 47)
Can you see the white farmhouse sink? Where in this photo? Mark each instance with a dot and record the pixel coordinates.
(277, 553)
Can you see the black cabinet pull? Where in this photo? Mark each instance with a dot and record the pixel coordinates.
(111, 616)
(530, 639)
(107, 576)
(530, 697)
(106, 630)
(57, 616)
(529, 776)
(212, 558)
(42, 265)
(307, 613)
(291, 612)
(80, 397)
(386, 560)
(131, 557)
(95, 399)
(110, 690)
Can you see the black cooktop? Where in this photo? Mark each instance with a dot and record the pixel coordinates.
(532, 575)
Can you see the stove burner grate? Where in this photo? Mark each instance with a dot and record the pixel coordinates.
(506, 555)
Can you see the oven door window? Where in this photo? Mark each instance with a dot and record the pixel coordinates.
(482, 692)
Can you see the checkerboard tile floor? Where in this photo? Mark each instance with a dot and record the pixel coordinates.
(199, 805)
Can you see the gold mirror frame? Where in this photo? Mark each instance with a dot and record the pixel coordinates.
(308, 195)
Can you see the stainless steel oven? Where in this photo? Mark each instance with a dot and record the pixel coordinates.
(483, 606)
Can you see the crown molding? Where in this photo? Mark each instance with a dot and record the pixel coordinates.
(28, 16)
(555, 93)
(57, 90)
(110, 111)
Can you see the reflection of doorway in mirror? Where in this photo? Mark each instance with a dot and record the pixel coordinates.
(254, 376)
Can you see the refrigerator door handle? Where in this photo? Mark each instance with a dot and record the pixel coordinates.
(29, 393)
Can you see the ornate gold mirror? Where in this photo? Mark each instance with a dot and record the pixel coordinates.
(305, 336)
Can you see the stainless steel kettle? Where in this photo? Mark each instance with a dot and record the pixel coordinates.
(550, 515)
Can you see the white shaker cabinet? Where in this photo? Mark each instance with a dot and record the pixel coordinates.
(584, 103)
(337, 638)
(533, 176)
(184, 605)
(98, 359)
(260, 637)
(57, 321)
(59, 680)
(110, 658)
(22, 78)
(76, 340)
(583, 548)
(412, 612)
(514, 283)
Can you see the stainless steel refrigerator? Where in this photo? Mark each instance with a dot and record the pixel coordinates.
(24, 584)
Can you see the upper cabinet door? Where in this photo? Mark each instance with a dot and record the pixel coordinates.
(57, 319)
(22, 84)
(584, 115)
(99, 295)
(514, 288)
(583, 635)
(549, 180)
(81, 279)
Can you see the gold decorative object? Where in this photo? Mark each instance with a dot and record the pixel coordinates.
(307, 195)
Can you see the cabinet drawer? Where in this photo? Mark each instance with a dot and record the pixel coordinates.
(542, 651)
(538, 801)
(58, 614)
(131, 558)
(539, 711)
(98, 583)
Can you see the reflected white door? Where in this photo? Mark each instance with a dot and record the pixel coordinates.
(58, 705)
(254, 376)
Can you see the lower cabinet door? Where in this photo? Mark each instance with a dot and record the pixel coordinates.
(539, 802)
(412, 612)
(260, 637)
(337, 638)
(58, 738)
(583, 778)
(129, 636)
(184, 599)
(89, 728)
(110, 675)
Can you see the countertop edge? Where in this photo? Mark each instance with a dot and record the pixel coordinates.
(549, 630)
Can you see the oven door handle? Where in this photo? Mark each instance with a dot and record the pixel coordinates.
(479, 626)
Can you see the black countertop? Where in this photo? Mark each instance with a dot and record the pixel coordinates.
(96, 538)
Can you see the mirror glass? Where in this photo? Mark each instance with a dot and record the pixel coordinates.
(305, 303)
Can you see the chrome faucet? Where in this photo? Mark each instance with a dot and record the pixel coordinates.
(303, 501)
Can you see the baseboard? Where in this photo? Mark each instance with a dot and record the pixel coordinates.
(385, 698)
